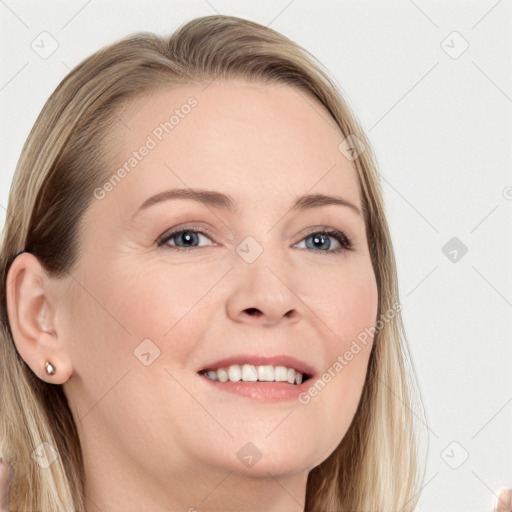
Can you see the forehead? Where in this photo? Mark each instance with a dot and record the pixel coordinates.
(256, 142)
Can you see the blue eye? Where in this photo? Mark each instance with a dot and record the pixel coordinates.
(187, 239)
(320, 241)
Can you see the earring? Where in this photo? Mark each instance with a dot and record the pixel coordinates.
(50, 370)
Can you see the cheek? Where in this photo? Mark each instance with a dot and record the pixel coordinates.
(166, 295)
(114, 314)
(348, 314)
(156, 302)
(347, 304)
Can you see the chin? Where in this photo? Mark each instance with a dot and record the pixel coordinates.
(260, 460)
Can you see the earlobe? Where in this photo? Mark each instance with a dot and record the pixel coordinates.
(31, 312)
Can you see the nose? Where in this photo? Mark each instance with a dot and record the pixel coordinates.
(263, 295)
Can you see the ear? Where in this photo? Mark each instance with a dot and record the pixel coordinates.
(32, 310)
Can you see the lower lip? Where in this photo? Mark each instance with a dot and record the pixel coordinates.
(261, 391)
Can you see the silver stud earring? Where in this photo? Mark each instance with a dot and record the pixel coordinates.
(50, 370)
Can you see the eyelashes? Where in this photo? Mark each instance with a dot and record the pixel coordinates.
(344, 242)
(188, 231)
(320, 238)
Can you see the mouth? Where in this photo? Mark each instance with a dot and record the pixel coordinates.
(265, 379)
(247, 368)
(257, 373)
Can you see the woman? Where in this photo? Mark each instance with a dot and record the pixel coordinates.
(199, 300)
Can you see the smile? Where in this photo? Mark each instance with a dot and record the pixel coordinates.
(253, 373)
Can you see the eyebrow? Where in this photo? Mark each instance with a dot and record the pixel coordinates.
(226, 202)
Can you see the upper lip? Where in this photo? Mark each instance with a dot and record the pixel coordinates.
(259, 360)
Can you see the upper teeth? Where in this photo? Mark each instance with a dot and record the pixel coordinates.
(251, 373)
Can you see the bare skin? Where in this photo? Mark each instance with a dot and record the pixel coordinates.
(159, 437)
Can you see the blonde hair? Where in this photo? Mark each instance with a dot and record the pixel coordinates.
(375, 467)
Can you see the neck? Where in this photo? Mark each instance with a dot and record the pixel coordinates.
(202, 491)
(116, 482)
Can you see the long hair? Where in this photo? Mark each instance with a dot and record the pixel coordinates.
(376, 466)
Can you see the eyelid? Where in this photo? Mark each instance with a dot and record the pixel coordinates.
(163, 239)
(342, 238)
(333, 232)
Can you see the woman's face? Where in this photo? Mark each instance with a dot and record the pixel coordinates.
(261, 283)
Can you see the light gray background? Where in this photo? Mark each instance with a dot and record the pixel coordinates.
(441, 128)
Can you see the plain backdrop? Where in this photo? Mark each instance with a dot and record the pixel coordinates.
(431, 85)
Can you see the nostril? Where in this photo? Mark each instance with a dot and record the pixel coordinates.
(253, 311)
